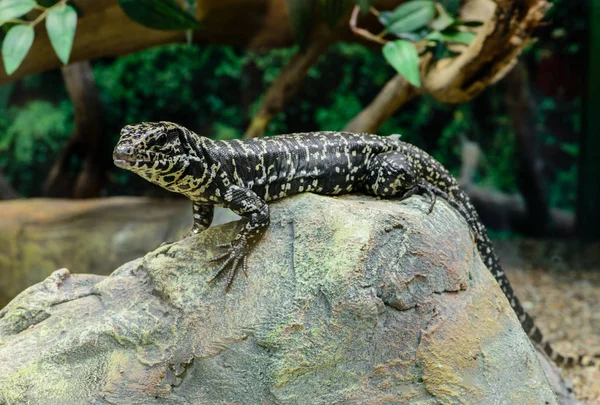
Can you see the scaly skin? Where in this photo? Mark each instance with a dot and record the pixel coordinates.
(244, 174)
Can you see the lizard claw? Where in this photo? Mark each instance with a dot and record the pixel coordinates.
(236, 252)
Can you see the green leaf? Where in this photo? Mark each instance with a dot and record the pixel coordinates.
(408, 16)
(159, 14)
(333, 10)
(403, 57)
(462, 37)
(15, 46)
(364, 5)
(301, 14)
(10, 9)
(61, 23)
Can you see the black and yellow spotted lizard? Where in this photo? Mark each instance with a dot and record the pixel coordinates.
(244, 174)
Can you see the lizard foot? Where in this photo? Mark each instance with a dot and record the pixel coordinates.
(422, 187)
(237, 252)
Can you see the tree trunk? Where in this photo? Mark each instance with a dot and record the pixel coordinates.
(85, 142)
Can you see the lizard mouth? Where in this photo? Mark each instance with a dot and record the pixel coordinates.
(122, 163)
(131, 162)
(126, 158)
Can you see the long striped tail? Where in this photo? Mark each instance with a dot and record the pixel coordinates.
(535, 335)
(486, 250)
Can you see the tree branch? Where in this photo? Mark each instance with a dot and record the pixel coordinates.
(289, 80)
(507, 30)
(396, 93)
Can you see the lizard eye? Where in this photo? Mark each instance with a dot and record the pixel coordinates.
(161, 139)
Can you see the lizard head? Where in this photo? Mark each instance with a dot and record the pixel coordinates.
(157, 151)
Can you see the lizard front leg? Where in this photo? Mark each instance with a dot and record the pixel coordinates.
(247, 204)
(203, 216)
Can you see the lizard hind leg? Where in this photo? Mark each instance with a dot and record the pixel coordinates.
(392, 174)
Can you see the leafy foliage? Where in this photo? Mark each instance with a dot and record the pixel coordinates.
(61, 20)
(10, 9)
(408, 16)
(61, 23)
(29, 137)
(421, 21)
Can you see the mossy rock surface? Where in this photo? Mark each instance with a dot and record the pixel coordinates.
(347, 300)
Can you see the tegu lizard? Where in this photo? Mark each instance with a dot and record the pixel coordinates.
(244, 175)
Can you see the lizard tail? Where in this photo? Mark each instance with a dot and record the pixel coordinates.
(536, 337)
(562, 361)
(490, 258)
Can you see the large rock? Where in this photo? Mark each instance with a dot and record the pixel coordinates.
(38, 236)
(347, 301)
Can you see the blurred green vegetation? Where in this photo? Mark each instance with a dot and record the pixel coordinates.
(214, 90)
